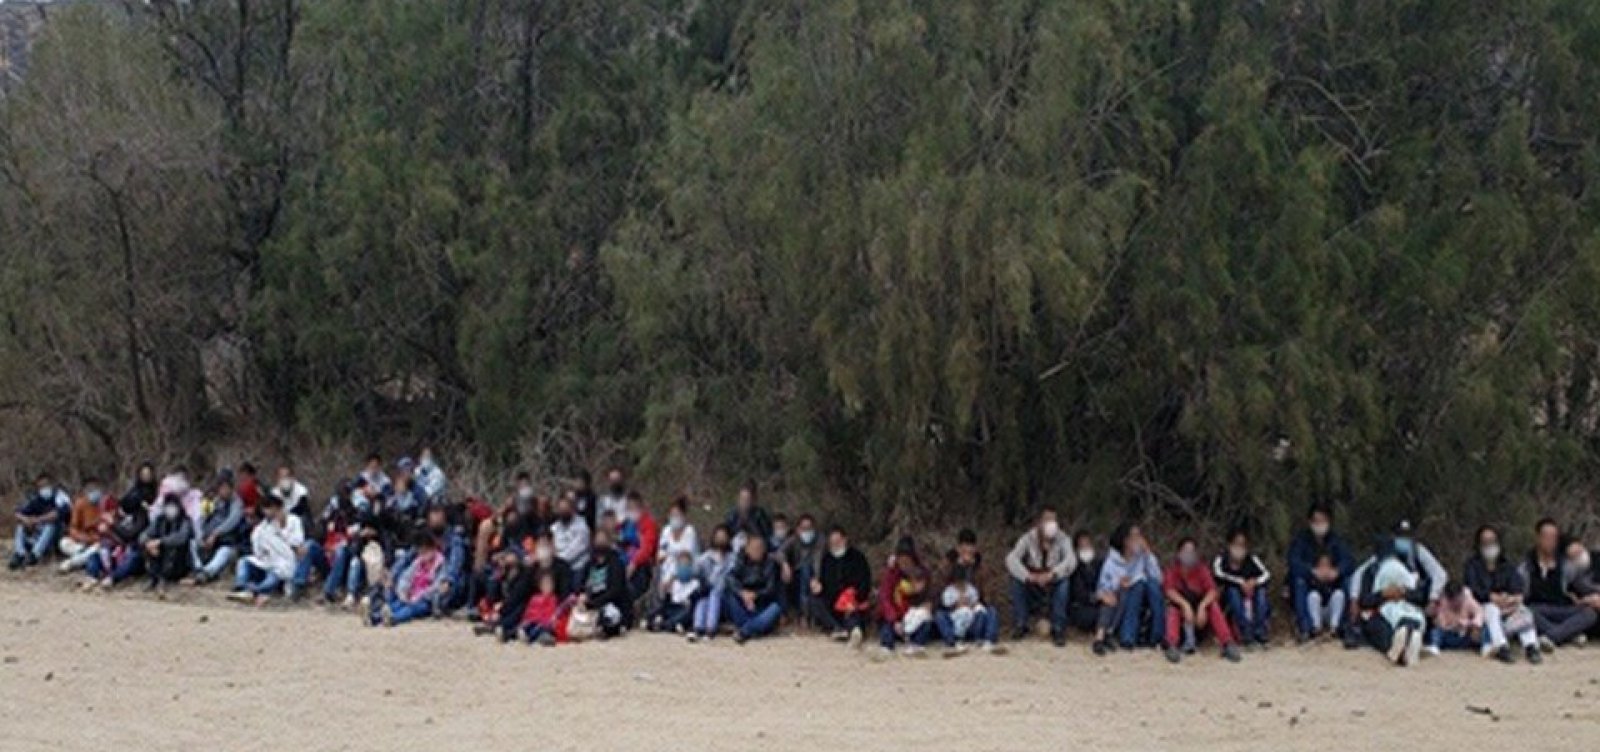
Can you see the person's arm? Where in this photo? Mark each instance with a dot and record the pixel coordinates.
(1067, 560)
(180, 535)
(1300, 559)
(1221, 574)
(234, 518)
(773, 590)
(1014, 565)
(1437, 577)
(1261, 566)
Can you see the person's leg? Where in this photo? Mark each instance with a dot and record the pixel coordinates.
(1260, 616)
(336, 572)
(1218, 622)
(763, 622)
(947, 628)
(733, 606)
(1156, 603)
(1133, 605)
(1019, 606)
(19, 545)
(1174, 624)
(1307, 607)
(43, 539)
(886, 636)
(95, 567)
(408, 611)
(1336, 610)
(1561, 623)
(919, 636)
(266, 584)
(1494, 628)
(132, 565)
(986, 626)
(1060, 593)
(1233, 606)
(306, 564)
(243, 574)
(220, 559)
(823, 616)
(1379, 633)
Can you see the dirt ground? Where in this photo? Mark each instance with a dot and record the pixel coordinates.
(126, 671)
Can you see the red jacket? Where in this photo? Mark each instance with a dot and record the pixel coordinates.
(891, 606)
(1193, 582)
(249, 492)
(541, 610)
(649, 538)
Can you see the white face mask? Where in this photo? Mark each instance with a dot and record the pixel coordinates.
(837, 552)
(1319, 529)
(1086, 555)
(171, 512)
(525, 493)
(286, 485)
(1050, 528)
(676, 523)
(780, 533)
(1490, 553)
(48, 492)
(807, 536)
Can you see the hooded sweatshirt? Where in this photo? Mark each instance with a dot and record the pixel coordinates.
(1032, 553)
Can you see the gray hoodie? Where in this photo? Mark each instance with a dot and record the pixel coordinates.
(1033, 554)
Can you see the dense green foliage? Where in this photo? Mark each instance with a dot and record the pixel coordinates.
(934, 258)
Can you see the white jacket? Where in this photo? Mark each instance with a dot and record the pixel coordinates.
(272, 548)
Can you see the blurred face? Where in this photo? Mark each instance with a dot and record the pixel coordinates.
(746, 499)
(1320, 524)
(564, 509)
(224, 490)
(436, 519)
(602, 539)
(285, 478)
(1188, 555)
(719, 539)
(837, 544)
(374, 467)
(1048, 527)
(755, 548)
(1238, 547)
(1136, 542)
(1548, 537)
(1489, 545)
(634, 510)
(44, 486)
(614, 479)
(147, 474)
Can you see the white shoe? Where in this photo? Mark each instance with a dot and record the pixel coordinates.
(955, 651)
(1432, 651)
(855, 639)
(882, 654)
(1413, 647)
(915, 651)
(64, 567)
(1581, 640)
(1397, 645)
(348, 603)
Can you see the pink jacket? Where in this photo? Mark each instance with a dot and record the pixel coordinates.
(1460, 616)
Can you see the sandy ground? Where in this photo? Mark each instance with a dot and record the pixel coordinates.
(125, 671)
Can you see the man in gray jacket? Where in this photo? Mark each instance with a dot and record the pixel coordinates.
(1041, 565)
(221, 530)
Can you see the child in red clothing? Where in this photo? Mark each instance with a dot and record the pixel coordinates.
(541, 620)
(1192, 597)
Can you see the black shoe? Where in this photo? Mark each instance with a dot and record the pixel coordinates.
(1352, 640)
(739, 638)
(1230, 653)
(15, 563)
(1100, 648)
(33, 561)
(1504, 655)
(1059, 638)
(1173, 654)
(1017, 633)
(1534, 656)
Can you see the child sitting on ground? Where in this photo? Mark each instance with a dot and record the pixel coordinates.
(963, 618)
(1326, 598)
(412, 595)
(1457, 623)
(676, 611)
(541, 620)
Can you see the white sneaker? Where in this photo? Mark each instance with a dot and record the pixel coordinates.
(882, 654)
(1397, 645)
(839, 636)
(348, 603)
(1413, 647)
(914, 651)
(1432, 651)
(64, 567)
(1581, 640)
(955, 651)
(855, 638)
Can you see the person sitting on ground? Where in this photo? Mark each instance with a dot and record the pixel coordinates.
(1192, 605)
(1458, 622)
(518, 576)
(1130, 592)
(1041, 565)
(841, 590)
(1313, 542)
(572, 535)
(678, 537)
(1497, 584)
(144, 489)
(247, 487)
(1581, 581)
(221, 530)
(295, 496)
(431, 479)
(902, 588)
(962, 618)
(165, 544)
(713, 567)
(1396, 597)
(120, 555)
(1244, 579)
(541, 618)
(798, 557)
(337, 520)
(40, 518)
(1083, 597)
(274, 546)
(748, 515)
(450, 542)
(614, 497)
(406, 498)
(1324, 600)
(604, 589)
(82, 538)
(752, 597)
(415, 586)
(643, 536)
(584, 501)
(1558, 614)
(177, 484)
(675, 612)
(378, 482)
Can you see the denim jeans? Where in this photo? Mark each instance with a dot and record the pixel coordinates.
(100, 567)
(1447, 639)
(313, 560)
(1253, 621)
(750, 623)
(669, 616)
(401, 612)
(984, 628)
(1027, 598)
(255, 580)
(918, 637)
(708, 613)
(1143, 606)
(346, 571)
(213, 566)
(36, 542)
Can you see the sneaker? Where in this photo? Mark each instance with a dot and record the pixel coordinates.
(1301, 638)
(1173, 654)
(1413, 647)
(547, 640)
(240, 596)
(882, 654)
(855, 638)
(481, 629)
(1018, 633)
(678, 629)
(954, 651)
(992, 648)
(1059, 638)
(386, 615)
(693, 637)
(1534, 656)
(915, 651)
(839, 635)
(740, 638)
(1100, 648)
(1230, 652)
(1581, 640)
(1504, 655)
(1431, 651)
(348, 603)
(64, 567)
(1546, 644)
(32, 561)
(15, 563)
(1397, 645)
(1189, 647)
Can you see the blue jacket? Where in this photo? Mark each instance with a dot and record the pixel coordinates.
(1305, 548)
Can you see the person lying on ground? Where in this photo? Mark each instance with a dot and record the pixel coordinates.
(415, 585)
(82, 538)
(1497, 584)
(39, 519)
(1559, 614)
(1244, 579)
(963, 620)
(1130, 592)
(1041, 565)
(841, 591)
(1192, 606)
(604, 587)
(713, 567)
(1315, 540)
(165, 544)
(675, 611)
(274, 553)
(219, 533)
(752, 597)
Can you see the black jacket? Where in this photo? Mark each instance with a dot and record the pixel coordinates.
(760, 577)
(1483, 582)
(840, 572)
(605, 581)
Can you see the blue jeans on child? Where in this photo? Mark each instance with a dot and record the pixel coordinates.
(1253, 621)
(213, 565)
(708, 613)
(314, 560)
(347, 572)
(918, 637)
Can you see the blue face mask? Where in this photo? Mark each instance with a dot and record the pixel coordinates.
(685, 573)
(1402, 547)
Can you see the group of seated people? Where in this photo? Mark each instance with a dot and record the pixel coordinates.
(595, 563)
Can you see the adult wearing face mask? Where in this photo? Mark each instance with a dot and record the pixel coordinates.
(840, 590)
(1130, 590)
(1582, 580)
(431, 480)
(165, 544)
(1311, 543)
(1559, 614)
(1041, 565)
(797, 557)
(571, 535)
(219, 534)
(293, 494)
(643, 535)
(1496, 583)
(713, 567)
(39, 521)
(1083, 603)
(678, 537)
(82, 538)
(603, 586)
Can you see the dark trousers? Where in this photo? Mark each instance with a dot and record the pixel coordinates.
(829, 620)
(170, 564)
(1562, 622)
